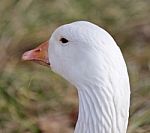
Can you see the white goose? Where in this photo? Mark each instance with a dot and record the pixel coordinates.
(88, 57)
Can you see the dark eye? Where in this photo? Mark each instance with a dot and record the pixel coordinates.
(64, 40)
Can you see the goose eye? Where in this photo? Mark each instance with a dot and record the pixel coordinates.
(64, 40)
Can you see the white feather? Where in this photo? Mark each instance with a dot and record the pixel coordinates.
(93, 62)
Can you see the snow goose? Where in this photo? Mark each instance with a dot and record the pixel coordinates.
(88, 57)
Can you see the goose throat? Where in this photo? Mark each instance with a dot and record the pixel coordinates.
(97, 113)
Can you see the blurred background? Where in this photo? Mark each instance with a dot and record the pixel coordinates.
(35, 100)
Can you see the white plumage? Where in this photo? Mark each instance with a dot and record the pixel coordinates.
(90, 59)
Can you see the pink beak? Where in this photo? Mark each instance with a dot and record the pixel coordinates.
(39, 54)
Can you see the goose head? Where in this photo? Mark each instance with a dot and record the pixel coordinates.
(76, 51)
(88, 57)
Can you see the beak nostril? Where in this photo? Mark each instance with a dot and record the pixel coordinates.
(37, 50)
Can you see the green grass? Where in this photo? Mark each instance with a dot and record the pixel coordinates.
(29, 92)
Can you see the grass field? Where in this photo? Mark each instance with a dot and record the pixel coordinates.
(35, 100)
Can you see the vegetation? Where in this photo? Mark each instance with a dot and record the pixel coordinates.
(31, 96)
